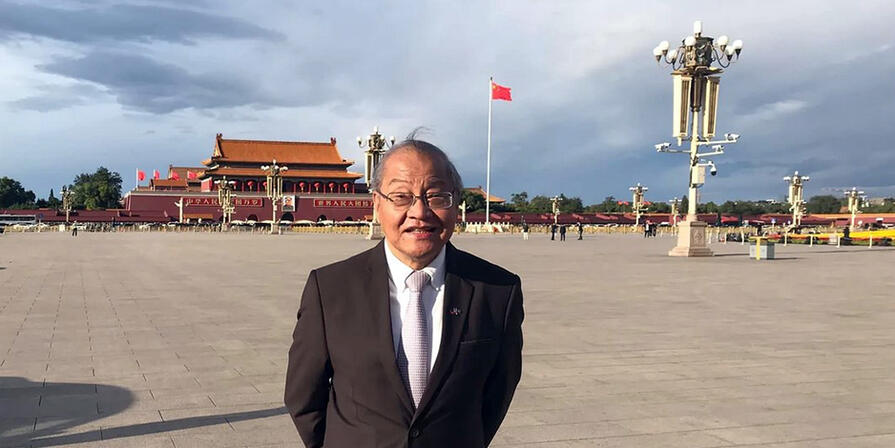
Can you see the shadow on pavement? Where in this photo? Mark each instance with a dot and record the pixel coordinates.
(155, 428)
(39, 409)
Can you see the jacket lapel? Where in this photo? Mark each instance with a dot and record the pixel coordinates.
(377, 290)
(457, 296)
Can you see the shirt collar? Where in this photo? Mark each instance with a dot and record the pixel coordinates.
(398, 271)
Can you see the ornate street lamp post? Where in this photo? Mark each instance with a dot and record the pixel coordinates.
(376, 146)
(675, 205)
(274, 189)
(854, 204)
(696, 83)
(66, 201)
(555, 200)
(225, 199)
(637, 202)
(179, 205)
(796, 203)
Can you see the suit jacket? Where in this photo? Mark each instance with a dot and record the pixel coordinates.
(343, 385)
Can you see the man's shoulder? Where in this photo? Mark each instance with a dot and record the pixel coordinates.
(350, 265)
(475, 268)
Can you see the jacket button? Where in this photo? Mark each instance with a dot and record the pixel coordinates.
(414, 433)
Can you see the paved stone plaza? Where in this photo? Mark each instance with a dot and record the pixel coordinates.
(180, 340)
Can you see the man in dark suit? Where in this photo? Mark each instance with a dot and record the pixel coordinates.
(413, 343)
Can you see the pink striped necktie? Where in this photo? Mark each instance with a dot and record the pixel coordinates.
(416, 342)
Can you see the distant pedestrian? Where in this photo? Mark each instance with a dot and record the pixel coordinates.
(580, 231)
(525, 231)
(552, 232)
(646, 229)
(562, 233)
(74, 230)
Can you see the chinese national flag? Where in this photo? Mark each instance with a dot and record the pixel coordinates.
(499, 92)
(141, 175)
(155, 174)
(174, 175)
(191, 175)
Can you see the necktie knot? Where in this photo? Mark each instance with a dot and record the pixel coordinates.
(417, 280)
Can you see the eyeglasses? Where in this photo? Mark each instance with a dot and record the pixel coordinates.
(435, 201)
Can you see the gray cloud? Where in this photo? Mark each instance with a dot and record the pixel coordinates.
(55, 97)
(141, 83)
(121, 22)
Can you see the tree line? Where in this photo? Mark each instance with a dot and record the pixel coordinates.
(520, 202)
(91, 191)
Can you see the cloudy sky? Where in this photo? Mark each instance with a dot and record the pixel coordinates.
(144, 84)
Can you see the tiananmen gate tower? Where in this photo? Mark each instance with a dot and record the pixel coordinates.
(317, 182)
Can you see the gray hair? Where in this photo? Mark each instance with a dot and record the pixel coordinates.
(412, 143)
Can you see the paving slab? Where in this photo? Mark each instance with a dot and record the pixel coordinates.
(179, 339)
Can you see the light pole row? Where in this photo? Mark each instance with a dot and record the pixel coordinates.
(274, 190)
(795, 198)
(225, 200)
(637, 203)
(855, 197)
(66, 201)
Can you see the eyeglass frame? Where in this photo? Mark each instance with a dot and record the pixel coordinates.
(422, 197)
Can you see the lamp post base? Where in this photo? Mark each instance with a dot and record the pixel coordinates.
(691, 240)
(375, 232)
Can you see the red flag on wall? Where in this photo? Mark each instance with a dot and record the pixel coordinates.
(140, 175)
(499, 92)
(174, 175)
(155, 174)
(191, 175)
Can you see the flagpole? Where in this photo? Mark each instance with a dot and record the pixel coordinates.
(488, 163)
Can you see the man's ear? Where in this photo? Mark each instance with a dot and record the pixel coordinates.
(376, 201)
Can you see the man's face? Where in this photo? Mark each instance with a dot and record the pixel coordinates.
(416, 234)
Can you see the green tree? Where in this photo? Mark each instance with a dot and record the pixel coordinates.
(824, 204)
(708, 207)
(609, 205)
(102, 189)
(53, 201)
(13, 195)
(474, 202)
(502, 207)
(520, 201)
(888, 206)
(659, 207)
(540, 204)
(569, 205)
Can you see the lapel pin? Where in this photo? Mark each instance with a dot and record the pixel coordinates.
(455, 311)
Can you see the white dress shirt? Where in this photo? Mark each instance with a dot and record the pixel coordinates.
(432, 296)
